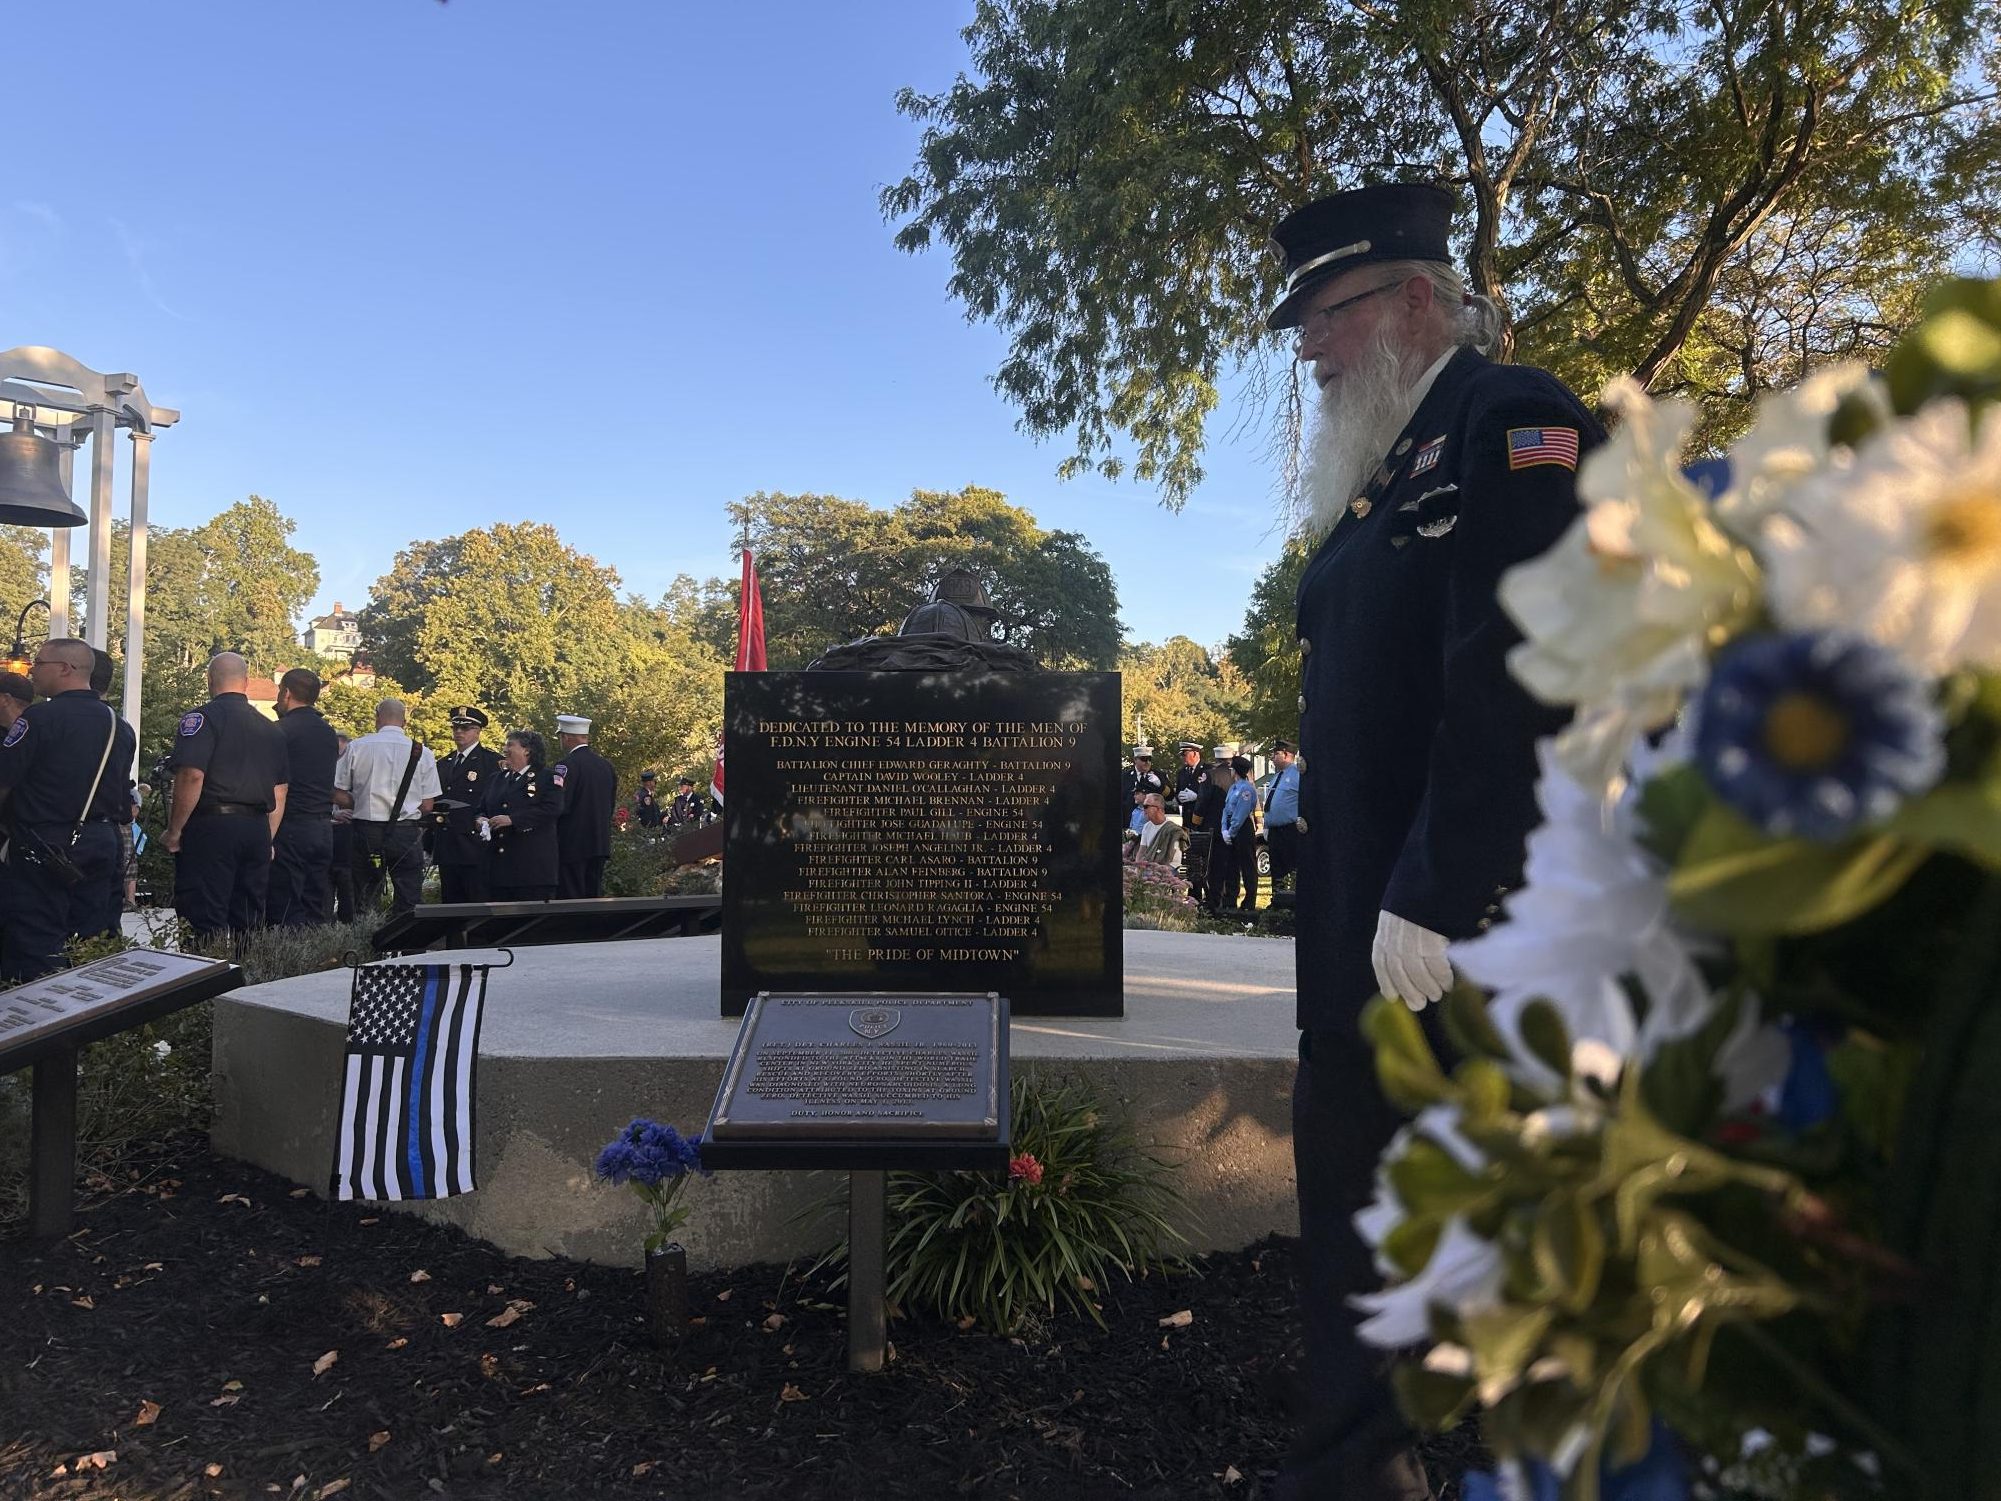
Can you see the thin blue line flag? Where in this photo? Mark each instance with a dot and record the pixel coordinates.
(406, 1113)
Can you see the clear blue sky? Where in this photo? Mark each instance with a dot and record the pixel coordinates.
(410, 268)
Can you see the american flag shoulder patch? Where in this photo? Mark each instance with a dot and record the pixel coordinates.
(1529, 446)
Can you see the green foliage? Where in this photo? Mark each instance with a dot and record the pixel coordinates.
(1934, 1357)
(24, 576)
(514, 620)
(1777, 182)
(833, 570)
(1267, 652)
(234, 583)
(1641, 1266)
(150, 1082)
(641, 863)
(1177, 691)
(1007, 1249)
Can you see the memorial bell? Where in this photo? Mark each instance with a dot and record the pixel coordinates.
(31, 484)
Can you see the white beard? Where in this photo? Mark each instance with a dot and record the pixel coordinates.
(1361, 412)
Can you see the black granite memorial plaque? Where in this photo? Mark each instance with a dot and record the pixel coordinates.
(925, 832)
(61, 1012)
(812, 1066)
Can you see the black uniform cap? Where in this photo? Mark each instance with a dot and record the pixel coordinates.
(467, 714)
(1392, 221)
(649, 776)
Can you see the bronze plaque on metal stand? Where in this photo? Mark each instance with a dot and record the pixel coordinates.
(816, 1066)
(866, 1082)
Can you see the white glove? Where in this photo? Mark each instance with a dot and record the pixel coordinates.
(1410, 961)
(1185, 795)
(1228, 837)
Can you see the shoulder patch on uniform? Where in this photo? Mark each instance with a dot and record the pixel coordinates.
(1428, 456)
(560, 770)
(192, 722)
(15, 731)
(1529, 446)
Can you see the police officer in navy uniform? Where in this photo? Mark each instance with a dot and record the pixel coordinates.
(1434, 471)
(49, 758)
(465, 775)
(590, 792)
(303, 849)
(520, 810)
(230, 773)
(646, 809)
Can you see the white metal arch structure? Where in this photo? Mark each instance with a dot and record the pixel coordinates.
(69, 400)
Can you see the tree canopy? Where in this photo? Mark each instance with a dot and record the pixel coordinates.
(1266, 650)
(831, 570)
(24, 574)
(1179, 691)
(513, 619)
(1700, 194)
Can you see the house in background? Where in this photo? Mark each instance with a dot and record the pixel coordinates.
(337, 635)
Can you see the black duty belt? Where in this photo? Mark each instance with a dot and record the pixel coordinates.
(231, 810)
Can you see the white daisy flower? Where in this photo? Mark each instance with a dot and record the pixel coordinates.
(1464, 1273)
(1787, 444)
(1903, 545)
(1619, 615)
(1593, 908)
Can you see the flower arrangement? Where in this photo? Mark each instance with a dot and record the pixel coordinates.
(1705, 1204)
(654, 1161)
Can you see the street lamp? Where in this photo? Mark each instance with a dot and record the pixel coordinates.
(18, 659)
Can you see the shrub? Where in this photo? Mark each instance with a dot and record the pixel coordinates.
(152, 1082)
(1080, 1203)
(642, 864)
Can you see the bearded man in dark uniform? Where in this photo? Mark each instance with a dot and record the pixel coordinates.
(1432, 471)
(464, 775)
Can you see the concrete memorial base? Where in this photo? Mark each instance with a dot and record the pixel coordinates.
(578, 1039)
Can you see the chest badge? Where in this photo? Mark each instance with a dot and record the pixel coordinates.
(1361, 506)
(1428, 456)
(472, 776)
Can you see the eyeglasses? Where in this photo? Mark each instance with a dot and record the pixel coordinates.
(1320, 320)
(52, 662)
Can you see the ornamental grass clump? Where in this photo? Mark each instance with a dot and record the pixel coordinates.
(1079, 1205)
(655, 1162)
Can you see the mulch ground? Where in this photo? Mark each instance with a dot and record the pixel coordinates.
(210, 1331)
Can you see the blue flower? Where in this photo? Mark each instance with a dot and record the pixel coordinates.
(1813, 735)
(1659, 1476)
(648, 1153)
(1809, 1095)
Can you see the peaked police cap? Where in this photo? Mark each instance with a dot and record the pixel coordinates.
(1392, 221)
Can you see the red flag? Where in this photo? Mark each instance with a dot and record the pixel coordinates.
(750, 621)
(749, 647)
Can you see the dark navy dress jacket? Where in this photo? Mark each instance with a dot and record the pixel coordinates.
(1419, 748)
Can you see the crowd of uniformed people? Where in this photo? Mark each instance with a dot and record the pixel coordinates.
(285, 822)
